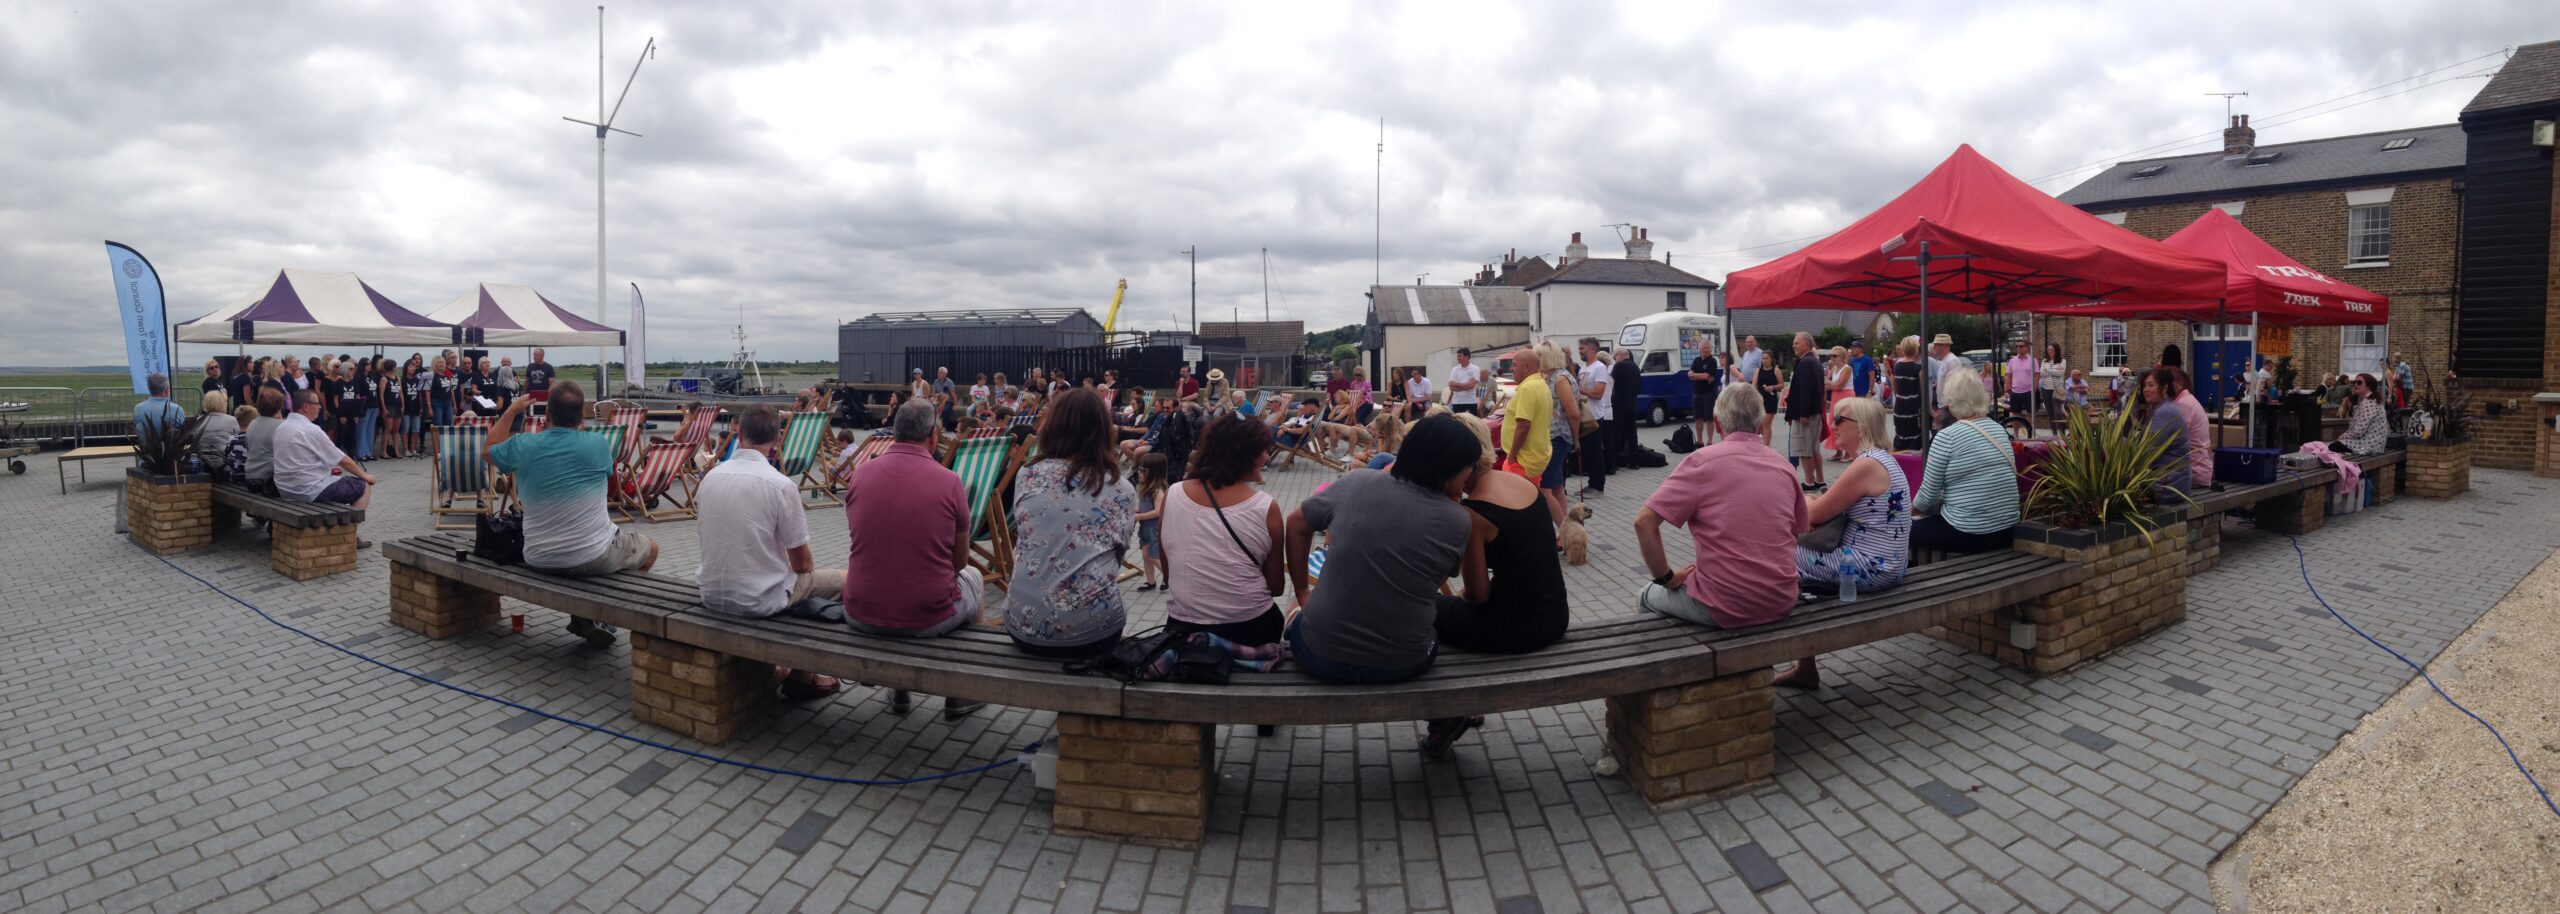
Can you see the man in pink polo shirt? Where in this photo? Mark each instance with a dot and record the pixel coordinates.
(908, 571)
(1739, 501)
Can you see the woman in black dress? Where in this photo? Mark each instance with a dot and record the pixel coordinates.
(1523, 608)
(1907, 378)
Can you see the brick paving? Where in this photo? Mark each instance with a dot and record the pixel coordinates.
(167, 749)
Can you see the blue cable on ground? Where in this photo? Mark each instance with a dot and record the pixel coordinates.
(1034, 746)
(2304, 562)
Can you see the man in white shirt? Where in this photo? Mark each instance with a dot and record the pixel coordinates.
(1463, 381)
(305, 459)
(1595, 383)
(754, 532)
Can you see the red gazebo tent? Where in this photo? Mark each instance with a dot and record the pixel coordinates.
(1972, 238)
(2259, 281)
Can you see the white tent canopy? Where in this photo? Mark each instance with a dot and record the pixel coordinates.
(502, 314)
(310, 306)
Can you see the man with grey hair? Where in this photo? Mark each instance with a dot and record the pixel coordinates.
(1732, 498)
(157, 416)
(907, 517)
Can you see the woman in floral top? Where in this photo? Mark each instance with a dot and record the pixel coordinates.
(1073, 513)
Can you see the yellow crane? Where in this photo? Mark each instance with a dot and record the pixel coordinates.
(1113, 315)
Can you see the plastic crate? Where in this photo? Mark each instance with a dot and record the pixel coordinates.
(2245, 465)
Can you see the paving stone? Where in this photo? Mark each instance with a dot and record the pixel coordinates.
(1947, 799)
(1755, 866)
(239, 738)
(2188, 686)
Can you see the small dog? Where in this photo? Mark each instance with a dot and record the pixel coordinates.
(1575, 540)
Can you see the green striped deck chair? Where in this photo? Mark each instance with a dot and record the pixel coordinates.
(800, 461)
(986, 466)
(460, 476)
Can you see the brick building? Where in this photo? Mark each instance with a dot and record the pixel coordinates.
(2375, 210)
(2454, 222)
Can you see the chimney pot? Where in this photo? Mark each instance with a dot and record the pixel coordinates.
(2239, 138)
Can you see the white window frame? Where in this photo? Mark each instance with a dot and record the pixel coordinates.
(2230, 333)
(2365, 335)
(2362, 239)
(1675, 300)
(2109, 354)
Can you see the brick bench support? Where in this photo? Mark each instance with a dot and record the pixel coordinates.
(303, 553)
(1139, 780)
(1680, 745)
(2204, 543)
(437, 607)
(704, 694)
(2296, 513)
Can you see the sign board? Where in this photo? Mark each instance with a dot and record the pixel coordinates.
(1191, 355)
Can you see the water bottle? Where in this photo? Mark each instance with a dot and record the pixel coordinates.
(1849, 587)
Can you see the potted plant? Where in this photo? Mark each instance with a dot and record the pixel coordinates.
(2100, 477)
(2438, 432)
(168, 507)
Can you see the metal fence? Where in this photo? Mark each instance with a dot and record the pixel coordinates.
(63, 415)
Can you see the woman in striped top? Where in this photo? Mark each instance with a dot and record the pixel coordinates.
(1969, 482)
(1876, 549)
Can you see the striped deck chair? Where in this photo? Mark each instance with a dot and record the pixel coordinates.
(986, 466)
(658, 477)
(630, 419)
(800, 459)
(861, 453)
(461, 479)
(696, 428)
(469, 420)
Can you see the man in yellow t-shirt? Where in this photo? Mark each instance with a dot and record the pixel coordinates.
(1525, 418)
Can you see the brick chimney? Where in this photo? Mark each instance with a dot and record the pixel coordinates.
(1576, 252)
(1639, 245)
(2239, 138)
(1484, 277)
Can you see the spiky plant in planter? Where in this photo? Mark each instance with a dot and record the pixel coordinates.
(162, 450)
(2441, 415)
(2101, 471)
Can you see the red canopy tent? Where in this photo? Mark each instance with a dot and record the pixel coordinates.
(2259, 281)
(1995, 243)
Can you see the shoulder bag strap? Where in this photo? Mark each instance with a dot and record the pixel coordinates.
(1998, 442)
(1212, 496)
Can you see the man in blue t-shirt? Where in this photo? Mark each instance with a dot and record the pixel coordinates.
(1862, 368)
(157, 415)
(562, 477)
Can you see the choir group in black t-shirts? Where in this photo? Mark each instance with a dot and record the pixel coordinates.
(377, 408)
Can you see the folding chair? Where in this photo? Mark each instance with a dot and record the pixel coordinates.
(460, 473)
(861, 453)
(470, 420)
(1301, 449)
(658, 476)
(800, 441)
(695, 429)
(986, 466)
(630, 419)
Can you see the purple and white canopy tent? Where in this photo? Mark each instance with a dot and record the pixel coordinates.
(502, 314)
(310, 306)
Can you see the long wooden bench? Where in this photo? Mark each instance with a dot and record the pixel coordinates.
(2296, 502)
(309, 539)
(1690, 709)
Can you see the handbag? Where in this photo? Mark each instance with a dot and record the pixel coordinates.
(1127, 661)
(499, 537)
(1825, 536)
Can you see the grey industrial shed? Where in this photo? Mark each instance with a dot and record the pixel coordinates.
(873, 348)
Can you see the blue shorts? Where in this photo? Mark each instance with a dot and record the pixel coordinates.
(1553, 478)
(344, 491)
(444, 412)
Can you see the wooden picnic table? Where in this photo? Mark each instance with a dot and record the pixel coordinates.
(82, 456)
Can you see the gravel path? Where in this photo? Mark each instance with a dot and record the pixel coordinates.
(2418, 809)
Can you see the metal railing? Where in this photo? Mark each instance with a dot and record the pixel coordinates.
(116, 413)
(55, 414)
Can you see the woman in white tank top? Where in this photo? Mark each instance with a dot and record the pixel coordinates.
(1221, 539)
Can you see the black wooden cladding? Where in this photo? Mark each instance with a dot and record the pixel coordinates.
(2506, 250)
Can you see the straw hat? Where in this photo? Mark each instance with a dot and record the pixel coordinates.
(1217, 374)
(1943, 340)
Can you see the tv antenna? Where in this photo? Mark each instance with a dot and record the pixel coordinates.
(603, 124)
(2226, 101)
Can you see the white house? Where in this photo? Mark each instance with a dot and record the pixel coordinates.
(1597, 296)
(1408, 324)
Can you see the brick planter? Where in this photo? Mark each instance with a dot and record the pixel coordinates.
(1140, 780)
(703, 694)
(2137, 585)
(167, 514)
(1680, 745)
(2546, 436)
(2437, 470)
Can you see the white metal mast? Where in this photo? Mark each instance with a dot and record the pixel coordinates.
(603, 125)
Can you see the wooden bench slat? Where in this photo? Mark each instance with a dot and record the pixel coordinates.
(1848, 626)
(291, 513)
(1290, 697)
(934, 666)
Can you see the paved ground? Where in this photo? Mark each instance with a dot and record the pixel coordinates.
(164, 747)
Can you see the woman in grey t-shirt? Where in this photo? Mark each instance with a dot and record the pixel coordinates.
(1396, 535)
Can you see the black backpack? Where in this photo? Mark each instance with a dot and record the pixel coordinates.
(1648, 457)
(1681, 441)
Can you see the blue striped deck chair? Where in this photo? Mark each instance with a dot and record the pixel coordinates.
(460, 476)
(986, 466)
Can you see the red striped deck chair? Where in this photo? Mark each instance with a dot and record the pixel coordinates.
(658, 478)
(695, 429)
(861, 453)
(460, 482)
(630, 419)
(469, 420)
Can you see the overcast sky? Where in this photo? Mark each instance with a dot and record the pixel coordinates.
(813, 162)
